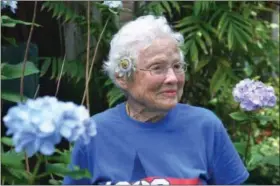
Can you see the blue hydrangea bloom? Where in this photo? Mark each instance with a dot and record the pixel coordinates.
(38, 125)
(11, 4)
(253, 95)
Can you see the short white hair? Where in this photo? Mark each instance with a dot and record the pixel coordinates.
(136, 35)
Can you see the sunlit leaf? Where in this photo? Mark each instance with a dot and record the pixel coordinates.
(15, 71)
(12, 96)
(239, 116)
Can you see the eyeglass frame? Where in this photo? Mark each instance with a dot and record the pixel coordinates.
(166, 69)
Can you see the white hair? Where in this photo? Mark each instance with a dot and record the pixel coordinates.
(136, 35)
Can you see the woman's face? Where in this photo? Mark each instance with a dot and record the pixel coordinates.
(157, 91)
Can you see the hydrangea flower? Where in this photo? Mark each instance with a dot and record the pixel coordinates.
(113, 4)
(253, 95)
(11, 4)
(38, 125)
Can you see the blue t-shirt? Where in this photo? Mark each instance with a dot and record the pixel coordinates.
(188, 146)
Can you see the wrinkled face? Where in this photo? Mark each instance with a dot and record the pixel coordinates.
(157, 91)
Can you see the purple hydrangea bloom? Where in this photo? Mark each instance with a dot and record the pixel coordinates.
(11, 4)
(253, 95)
(38, 125)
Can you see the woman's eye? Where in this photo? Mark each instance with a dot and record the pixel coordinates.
(177, 66)
(155, 68)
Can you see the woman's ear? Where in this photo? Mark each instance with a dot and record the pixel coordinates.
(121, 81)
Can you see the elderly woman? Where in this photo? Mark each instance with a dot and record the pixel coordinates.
(151, 138)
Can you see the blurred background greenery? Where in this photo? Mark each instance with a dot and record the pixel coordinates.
(225, 42)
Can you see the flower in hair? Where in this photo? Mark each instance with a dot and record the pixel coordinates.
(125, 67)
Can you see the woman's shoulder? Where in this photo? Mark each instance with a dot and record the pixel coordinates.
(108, 115)
(198, 115)
(195, 111)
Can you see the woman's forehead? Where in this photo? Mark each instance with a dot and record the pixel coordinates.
(160, 50)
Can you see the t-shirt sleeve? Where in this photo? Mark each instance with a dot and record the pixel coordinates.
(227, 166)
(78, 158)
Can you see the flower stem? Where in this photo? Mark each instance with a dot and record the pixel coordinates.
(46, 161)
(26, 51)
(248, 142)
(42, 175)
(93, 59)
(26, 163)
(35, 172)
(24, 65)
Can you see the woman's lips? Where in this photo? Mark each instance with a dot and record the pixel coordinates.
(170, 93)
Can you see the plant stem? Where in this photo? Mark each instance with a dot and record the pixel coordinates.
(42, 175)
(248, 142)
(60, 75)
(37, 91)
(35, 172)
(87, 62)
(46, 161)
(27, 49)
(93, 59)
(24, 65)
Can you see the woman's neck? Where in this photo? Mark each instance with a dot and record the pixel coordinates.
(142, 113)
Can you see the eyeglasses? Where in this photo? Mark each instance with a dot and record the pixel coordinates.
(178, 68)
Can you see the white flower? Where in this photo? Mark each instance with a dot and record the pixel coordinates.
(125, 67)
(113, 4)
(11, 4)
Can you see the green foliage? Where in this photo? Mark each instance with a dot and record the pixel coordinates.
(61, 170)
(159, 8)
(60, 10)
(7, 21)
(239, 116)
(74, 69)
(114, 94)
(9, 71)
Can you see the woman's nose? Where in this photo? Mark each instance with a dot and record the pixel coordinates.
(171, 76)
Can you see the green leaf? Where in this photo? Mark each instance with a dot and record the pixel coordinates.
(194, 52)
(167, 7)
(176, 5)
(54, 68)
(54, 182)
(240, 40)
(12, 159)
(272, 160)
(202, 45)
(114, 95)
(217, 80)
(7, 21)
(12, 96)
(215, 15)
(45, 66)
(7, 141)
(15, 71)
(239, 116)
(201, 64)
(230, 37)
(264, 118)
(11, 40)
(59, 168)
(207, 38)
(187, 21)
(240, 147)
(188, 29)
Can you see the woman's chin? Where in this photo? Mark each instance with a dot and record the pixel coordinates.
(167, 104)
